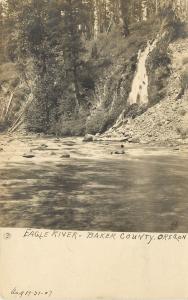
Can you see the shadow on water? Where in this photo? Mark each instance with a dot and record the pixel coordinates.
(143, 194)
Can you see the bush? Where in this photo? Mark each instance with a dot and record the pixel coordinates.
(70, 127)
(183, 132)
(160, 57)
(97, 123)
(185, 60)
(8, 72)
(184, 78)
(182, 112)
(158, 65)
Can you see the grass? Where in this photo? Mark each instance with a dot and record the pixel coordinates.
(184, 78)
(8, 72)
(185, 60)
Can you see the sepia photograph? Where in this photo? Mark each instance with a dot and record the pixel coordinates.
(94, 115)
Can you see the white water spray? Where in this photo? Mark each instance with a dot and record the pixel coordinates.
(139, 90)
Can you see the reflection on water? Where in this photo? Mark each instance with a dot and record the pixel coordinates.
(137, 193)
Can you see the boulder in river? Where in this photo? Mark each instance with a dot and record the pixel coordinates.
(97, 134)
(88, 138)
(28, 155)
(134, 140)
(119, 152)
(126, 139)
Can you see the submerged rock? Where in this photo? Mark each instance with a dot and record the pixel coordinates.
(118, 152)
(65, 155)
(88, 138)
(57, 140)
(44, 146)
(10, 140)
(53, 153)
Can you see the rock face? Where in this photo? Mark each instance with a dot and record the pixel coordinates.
(166, 121)
(88, 138)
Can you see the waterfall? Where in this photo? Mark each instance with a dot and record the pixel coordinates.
(139, 89)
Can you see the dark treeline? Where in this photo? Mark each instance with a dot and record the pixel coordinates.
(48, 40)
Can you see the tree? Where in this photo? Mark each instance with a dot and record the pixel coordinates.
(34, 45)
(72, 45)
(96, 19)
(124, 16)
(1, 34)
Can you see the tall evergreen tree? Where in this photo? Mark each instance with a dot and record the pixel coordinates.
(1, 34)
(124, 9)
(72, 45)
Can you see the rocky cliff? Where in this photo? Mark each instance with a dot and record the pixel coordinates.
(167, 120)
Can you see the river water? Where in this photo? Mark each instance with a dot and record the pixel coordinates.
(143, 190)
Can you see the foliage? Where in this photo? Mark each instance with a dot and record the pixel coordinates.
(66, 50)
(158, 65)
(97, 123)
(184, 78)
(70, 126)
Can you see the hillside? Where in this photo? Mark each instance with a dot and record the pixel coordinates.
(117, 71)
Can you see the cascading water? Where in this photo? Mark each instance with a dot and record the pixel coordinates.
(139, 90)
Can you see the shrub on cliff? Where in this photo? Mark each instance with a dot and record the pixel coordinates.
(158, 66)
(184, 78)
(97, 123)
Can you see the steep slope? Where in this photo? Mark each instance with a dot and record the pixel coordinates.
(113, 79)
(167, 121)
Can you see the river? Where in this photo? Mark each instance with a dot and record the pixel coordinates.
(145, 189)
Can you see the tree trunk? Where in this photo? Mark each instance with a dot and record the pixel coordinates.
(124, 16)
(76, 89)
(156, 6)
(96, 19)
(144, 10)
